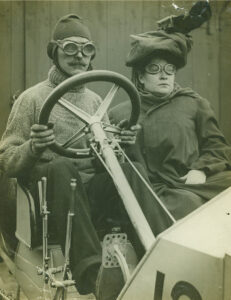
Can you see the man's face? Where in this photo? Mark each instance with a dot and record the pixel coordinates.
(162, 83)
(73, 64)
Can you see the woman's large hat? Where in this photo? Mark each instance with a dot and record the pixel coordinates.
(174, 45)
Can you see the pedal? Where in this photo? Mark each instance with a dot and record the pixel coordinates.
(109, 241)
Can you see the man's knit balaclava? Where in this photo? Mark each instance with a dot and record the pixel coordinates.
(70, 25)
(67, 26)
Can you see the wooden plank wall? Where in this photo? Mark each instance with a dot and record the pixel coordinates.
(12, 74)
(26, 26)
(224, 68)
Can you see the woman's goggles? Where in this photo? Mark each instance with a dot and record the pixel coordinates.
(72, 48)
(156, 68)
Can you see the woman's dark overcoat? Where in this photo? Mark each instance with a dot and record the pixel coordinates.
(180, 133)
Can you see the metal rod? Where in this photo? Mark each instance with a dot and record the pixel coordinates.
(101, 160)
(45, 213)
(122, 262)
(148, 186)
(132, 207)
(40, 196)
(70, 216)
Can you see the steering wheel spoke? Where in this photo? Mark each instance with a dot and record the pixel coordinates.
(107, 102)
(75, 137)
(81, 114)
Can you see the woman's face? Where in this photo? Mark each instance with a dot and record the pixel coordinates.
(74, 64)
(158, 77)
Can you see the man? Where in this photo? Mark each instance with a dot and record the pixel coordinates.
(24, 154)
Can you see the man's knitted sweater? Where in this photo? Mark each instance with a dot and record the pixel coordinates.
(16, 156)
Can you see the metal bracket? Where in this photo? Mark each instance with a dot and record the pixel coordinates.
(5, 296)
(109, 252)
(49, 274)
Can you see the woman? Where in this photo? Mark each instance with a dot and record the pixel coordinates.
(181, 146)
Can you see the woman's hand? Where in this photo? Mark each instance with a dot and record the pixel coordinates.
(128, 136)
(41, 136)
(194, 177)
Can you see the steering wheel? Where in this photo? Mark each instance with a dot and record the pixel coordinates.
(81, 79)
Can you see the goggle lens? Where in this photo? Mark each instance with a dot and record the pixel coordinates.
(152, 68)
(170, 69)
(156, 68)
(89, 49)
(72, 48)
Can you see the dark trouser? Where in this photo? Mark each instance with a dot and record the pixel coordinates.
(96, 202)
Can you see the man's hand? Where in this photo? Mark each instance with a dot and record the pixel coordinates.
(194, 177)
(128, 136)
(42, 136)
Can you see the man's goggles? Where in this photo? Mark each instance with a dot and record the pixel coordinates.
(156, 68)
(72, 48)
